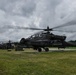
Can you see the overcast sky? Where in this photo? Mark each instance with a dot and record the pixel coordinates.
(35, 13)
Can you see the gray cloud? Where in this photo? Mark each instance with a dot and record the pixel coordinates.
(34, 13)
(18, 7)
(46, 12)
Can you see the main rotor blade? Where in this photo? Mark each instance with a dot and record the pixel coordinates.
(29, 28)
(69, 31)
(47, 29)
(19, 27)
(72, 23)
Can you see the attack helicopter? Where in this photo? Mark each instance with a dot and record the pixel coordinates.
(45, 39)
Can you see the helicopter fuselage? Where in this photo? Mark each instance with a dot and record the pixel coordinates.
(42, 40)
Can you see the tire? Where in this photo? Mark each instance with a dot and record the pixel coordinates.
(39, 49)
(46, 49)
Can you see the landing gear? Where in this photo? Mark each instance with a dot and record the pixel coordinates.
(46, 49)
(39, 49)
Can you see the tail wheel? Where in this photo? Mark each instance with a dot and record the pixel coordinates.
(39, 49)
(46, 49)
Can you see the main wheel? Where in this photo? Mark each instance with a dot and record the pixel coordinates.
(39, 49)
(46, 49)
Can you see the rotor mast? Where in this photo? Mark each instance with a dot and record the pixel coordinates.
(48, 29)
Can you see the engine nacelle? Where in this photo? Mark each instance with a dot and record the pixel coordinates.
(23, 41)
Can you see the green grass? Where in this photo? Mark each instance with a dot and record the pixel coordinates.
(35, 63)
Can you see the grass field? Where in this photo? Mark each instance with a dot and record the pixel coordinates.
(30, 62)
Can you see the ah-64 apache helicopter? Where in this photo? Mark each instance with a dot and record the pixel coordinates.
(44, 39)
